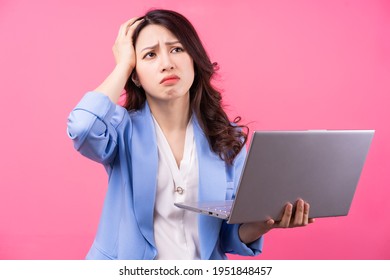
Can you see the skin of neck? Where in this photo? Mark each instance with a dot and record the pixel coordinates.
(171, 115)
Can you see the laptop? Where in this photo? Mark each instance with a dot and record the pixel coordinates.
(322, 167)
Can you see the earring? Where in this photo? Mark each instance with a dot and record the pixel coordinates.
(137, 83)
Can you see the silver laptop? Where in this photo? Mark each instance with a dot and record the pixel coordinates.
(321, 167)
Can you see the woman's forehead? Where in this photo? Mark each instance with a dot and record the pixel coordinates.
(152, 35)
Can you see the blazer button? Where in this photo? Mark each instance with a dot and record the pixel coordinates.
(179, 190)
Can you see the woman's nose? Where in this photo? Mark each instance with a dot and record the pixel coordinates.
(166, 63)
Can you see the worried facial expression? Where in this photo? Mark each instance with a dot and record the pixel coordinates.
(164, 69)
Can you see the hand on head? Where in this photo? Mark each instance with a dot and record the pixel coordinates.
(123, 48)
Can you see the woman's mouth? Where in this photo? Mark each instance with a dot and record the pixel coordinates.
(168, 80)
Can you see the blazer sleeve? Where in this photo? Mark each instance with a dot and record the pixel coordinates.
(92, 127)
(231, 242)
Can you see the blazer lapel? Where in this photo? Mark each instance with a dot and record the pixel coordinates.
(144, 167)
(212, 187)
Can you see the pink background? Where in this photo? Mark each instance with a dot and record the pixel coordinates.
(284, 65)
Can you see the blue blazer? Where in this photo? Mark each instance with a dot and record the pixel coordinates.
(125, 143)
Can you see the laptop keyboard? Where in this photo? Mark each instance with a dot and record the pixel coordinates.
(220, 209)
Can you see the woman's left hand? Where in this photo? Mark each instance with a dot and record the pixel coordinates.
(250, 232)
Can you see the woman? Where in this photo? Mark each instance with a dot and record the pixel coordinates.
(170, 142)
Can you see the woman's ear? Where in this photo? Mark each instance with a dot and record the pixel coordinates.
(134, 78)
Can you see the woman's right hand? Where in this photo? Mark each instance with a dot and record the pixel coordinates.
(249, 232)
(125, 58)
(123, 48)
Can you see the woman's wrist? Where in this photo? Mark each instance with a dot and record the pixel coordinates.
(246, 234)
(250, 232)
(124, 68)
(113, 85)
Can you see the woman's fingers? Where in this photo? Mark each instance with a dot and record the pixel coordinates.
(295, 219)
(132, 26)
(298, 217)
(301, 217)
(286, 218)
(306, 214)
(125, 26)
(123, 47)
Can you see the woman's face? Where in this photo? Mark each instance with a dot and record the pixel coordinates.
(164, 69)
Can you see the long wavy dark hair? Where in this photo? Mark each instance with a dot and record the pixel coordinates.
(225, 138)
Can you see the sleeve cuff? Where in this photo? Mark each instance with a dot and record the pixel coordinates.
(240, 248)
(97, 104)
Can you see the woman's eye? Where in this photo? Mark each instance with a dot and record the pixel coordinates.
(150, 55)
(178, 49)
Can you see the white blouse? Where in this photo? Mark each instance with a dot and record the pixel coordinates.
(176, 230)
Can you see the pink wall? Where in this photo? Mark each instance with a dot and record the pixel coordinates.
(284, 65)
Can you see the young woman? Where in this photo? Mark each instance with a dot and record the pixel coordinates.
(170, 142)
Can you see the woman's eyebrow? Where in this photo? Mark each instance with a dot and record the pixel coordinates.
(156, 45)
